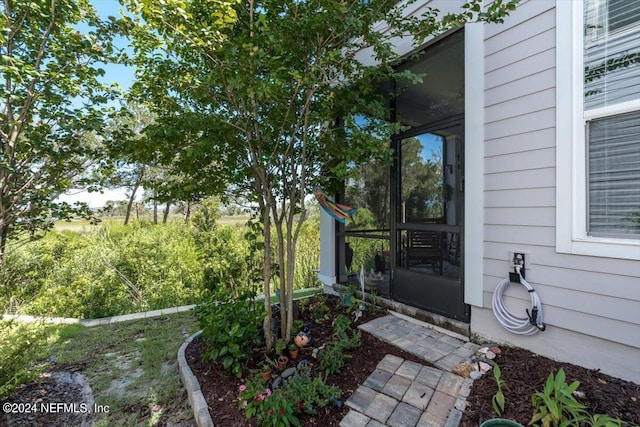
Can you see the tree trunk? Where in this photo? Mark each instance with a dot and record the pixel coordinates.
(4, 234)
(165, 215)
(266, 276)
(155, 211)
(187, 212)
(133, 197)
(284, 292)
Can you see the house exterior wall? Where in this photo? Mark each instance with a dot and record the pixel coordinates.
(591, 304)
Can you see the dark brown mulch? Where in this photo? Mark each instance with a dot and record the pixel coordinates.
(526, 373)
(523, 371)
(221, 391)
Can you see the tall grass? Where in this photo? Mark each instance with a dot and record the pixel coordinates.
(116, 269)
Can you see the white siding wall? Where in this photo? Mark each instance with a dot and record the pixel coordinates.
(591, 305)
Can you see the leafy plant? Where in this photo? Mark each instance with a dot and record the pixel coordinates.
(341, 324)
(556, 406)
(341, 329)
(600, 420)
(17, 344)
(300, 393)
(332, 357)
(311, 393)
(278, 410)
(297, 325)
(230, 329)
(280, 346)
(251, 395)
(270, 408)
(498, 400)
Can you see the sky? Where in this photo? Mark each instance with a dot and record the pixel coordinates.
(124, 77)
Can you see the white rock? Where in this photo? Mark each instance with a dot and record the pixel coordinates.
(484, 367)
(483, 350)
(475, 375)
(490, 355)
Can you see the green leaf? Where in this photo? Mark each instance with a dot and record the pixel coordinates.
(560, 379)
(573, 387)
(236, 370)
(496, 372)
(226, 362)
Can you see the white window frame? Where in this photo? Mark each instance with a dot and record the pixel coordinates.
(571, 169)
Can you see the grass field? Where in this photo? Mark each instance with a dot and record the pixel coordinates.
(84, 226)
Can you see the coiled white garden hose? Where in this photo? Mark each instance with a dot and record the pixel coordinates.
(518, 325)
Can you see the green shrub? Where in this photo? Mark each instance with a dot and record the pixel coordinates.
(114, 270)
(17, 344)
(227, 260)
(230, 329)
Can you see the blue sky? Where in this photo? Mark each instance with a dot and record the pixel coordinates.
(120, 74)
(124, 77)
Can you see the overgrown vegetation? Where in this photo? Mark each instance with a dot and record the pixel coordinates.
(17, 344)
(116, 269)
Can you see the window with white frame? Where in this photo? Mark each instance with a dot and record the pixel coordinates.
(598, 128)
(612, 119)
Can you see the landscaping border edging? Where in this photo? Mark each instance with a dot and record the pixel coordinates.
(25, 318)
(191, 384)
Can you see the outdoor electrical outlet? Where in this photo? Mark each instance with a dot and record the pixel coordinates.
(519, 259)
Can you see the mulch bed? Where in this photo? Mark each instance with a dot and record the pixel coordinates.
(523, 371)
(526, 373)
(221, 390)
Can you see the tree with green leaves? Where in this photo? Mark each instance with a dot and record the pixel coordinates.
(50, 115)
(271, 91)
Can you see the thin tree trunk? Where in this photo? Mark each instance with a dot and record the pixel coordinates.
(187, 213)
(266, 275)
(165, 216)
(4, 234)
(133, 197)
(155, 211)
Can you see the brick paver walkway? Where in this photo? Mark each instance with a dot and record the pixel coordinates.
(403, 393)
